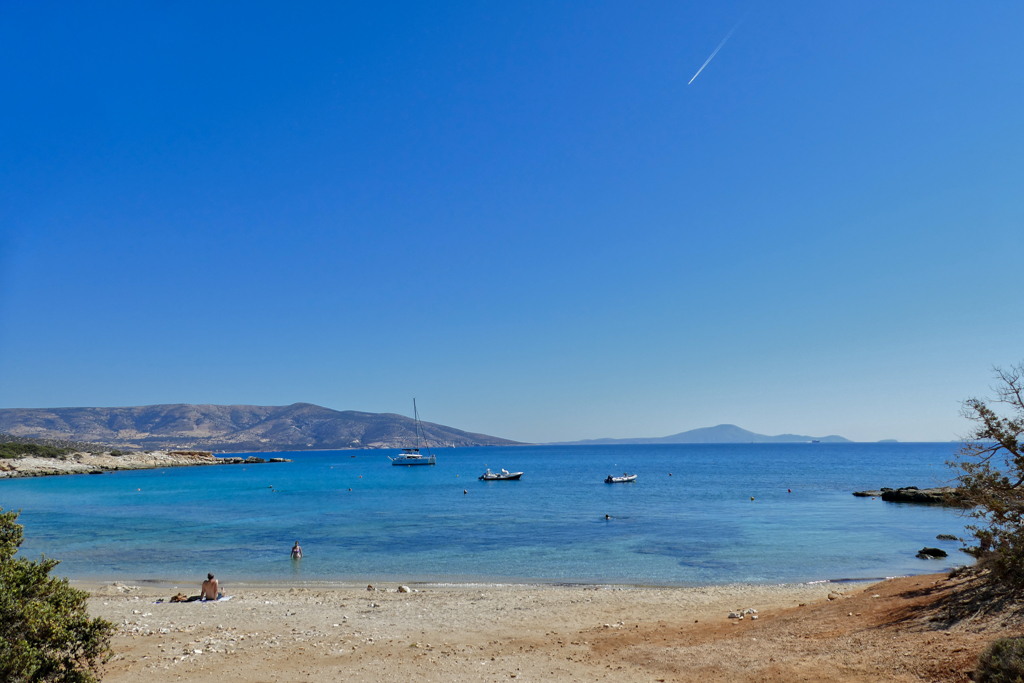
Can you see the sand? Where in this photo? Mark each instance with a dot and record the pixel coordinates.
(890, 631)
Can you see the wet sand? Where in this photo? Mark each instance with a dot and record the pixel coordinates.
(888, 631)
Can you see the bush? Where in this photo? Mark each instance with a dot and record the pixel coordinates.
(991, 478)
(1001, 662)
(20, 450)
(46, 635)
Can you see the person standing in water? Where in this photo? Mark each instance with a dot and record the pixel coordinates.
(296, 551)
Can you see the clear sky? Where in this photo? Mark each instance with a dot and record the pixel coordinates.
(519, 213)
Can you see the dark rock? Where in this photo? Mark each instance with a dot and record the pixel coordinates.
(947, 537)
(912, 494)
(279, 460)
(931, 553)
(945, 495)
(252, 459)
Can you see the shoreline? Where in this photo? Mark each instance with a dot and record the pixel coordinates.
(385, 584)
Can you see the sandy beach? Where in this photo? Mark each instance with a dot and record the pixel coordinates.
(895, 630)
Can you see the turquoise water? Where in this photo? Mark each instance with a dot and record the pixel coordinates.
(698, 526)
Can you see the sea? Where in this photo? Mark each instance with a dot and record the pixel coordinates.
(696, 515)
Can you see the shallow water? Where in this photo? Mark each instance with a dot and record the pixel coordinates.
(697, 526)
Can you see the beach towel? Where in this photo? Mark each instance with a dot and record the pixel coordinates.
(181, 597)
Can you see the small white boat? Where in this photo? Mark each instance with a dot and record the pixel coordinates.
(624, 479)
(504, 475)
(412, 456)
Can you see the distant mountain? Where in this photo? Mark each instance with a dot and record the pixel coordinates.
(718, 434)
(300, 426)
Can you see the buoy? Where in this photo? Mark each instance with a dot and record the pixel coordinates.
(464, 491)
(789, 490)
(670, 474)
(350, 489)
(751, 498)
(138, 489)
(360, 476)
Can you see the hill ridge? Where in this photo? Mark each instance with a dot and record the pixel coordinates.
(723, 433)
(231, 428)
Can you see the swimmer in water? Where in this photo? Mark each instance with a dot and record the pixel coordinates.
(296, 551)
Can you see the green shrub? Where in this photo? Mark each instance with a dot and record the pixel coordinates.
(991, 478)
(1001, 662)
(20, 450)
(46, 635)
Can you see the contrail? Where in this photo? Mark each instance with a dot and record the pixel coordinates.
(727, 36)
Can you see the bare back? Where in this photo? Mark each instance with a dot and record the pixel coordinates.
(211, 587)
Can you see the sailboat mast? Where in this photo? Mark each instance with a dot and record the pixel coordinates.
(420, 434)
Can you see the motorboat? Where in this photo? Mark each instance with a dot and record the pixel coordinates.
(412, 456)
(504, 475)
(624, 479)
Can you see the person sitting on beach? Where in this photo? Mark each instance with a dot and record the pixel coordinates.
(296, 551)
(211, 589)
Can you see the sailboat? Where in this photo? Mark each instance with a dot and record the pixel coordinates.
(412, 456)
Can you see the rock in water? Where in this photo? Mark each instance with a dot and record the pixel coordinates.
(931, 553)
(947, 537)
(912, 494)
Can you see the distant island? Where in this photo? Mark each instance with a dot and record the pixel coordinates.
(719, 434)
(232, 428)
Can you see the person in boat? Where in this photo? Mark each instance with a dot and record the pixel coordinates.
(296, 551)
(211, 589)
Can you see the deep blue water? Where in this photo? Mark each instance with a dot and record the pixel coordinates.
(698, 526)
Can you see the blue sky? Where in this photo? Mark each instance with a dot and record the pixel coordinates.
(522, 215)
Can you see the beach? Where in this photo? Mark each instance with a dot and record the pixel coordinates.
(894, 630)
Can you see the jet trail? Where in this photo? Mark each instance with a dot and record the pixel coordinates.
(727, 36)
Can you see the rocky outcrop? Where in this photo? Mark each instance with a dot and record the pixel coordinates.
(101, 463)
(944, 495)
(931, 553)
(94, 463)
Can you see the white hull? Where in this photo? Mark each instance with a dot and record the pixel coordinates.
(413, 460)
(503, 476)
